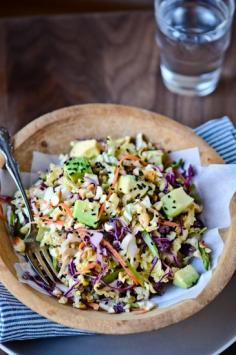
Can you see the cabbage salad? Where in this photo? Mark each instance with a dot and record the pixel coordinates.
(120, 220)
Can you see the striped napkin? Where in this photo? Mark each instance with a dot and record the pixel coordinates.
(17, 322)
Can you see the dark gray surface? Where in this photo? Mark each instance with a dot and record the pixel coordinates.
(208, 332)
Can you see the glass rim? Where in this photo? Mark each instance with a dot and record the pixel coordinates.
(223, 24)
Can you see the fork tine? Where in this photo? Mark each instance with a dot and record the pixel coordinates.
(46, 256)
(43, 265)
(30, 259)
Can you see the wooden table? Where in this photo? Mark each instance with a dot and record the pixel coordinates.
(50, 62)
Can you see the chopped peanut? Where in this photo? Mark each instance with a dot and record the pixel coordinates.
(19, 245)
(149, 175)
(198, 208)
(82, 193)
(63, 300)
(91, 187)
(144, 219)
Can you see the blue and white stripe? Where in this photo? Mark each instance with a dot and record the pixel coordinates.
(17, 322)
(221, 135)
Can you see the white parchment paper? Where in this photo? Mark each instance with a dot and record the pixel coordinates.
(216, 185)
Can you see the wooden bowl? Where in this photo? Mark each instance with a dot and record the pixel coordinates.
(52, 133)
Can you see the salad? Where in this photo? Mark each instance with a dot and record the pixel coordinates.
(121, 221)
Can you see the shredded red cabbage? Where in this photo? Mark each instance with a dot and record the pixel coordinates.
(119, 307)
(102, 273)
(66, 294)
(163, 230)
(154, 262)
(95, 240)
(43, 186)
(118, 232)
(188, 176)
(120, 228)
(187, 249)
(173, 259)
(156, 167)
(162, 243)
(119, 289)
(171, 178)
(158, 285)
(38, 281)
(72, 267)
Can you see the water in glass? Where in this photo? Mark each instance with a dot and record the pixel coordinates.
(193, 37)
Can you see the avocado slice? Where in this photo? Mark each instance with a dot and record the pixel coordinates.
(186, 277)
(153, 156)
(128, 185)
(86, 212)
(87, 148)
(176, 202)
(75, 168)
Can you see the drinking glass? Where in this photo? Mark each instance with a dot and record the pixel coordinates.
(193, 36)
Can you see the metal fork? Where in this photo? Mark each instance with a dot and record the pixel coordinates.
(38, 257)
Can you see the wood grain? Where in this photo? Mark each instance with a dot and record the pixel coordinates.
(36, 7)
(56, 129)
(51, 62)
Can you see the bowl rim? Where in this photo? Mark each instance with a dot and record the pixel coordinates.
(102, 322)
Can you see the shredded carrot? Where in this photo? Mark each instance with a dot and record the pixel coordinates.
(117, 171)
(66, 208)
(94, 306)
(116, 175)
(129, 157)
(121, 261)
(102, 209)
(169, 224)
(82, 245)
